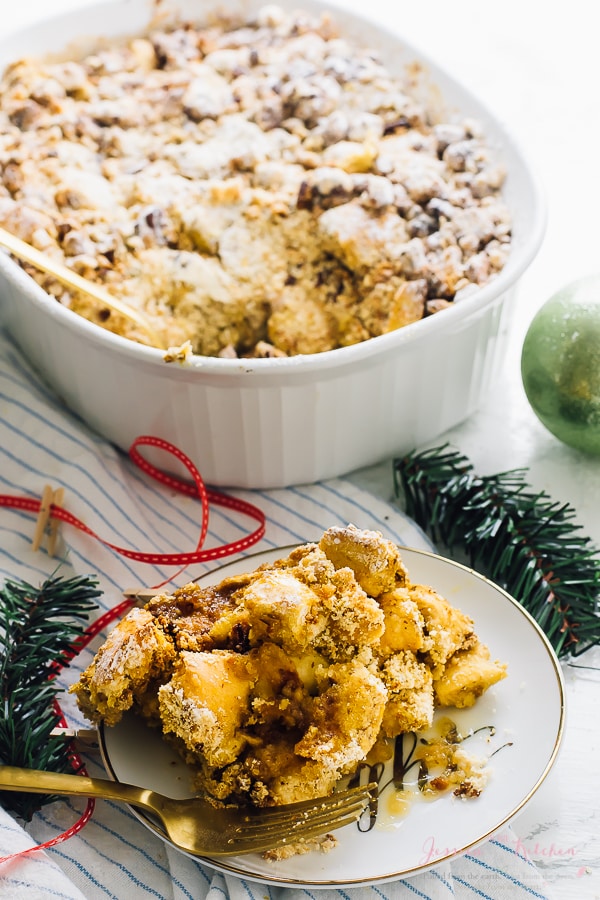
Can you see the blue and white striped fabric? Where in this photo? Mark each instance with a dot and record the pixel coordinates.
(115, 855)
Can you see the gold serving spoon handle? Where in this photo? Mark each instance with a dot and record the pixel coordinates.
(25, 252)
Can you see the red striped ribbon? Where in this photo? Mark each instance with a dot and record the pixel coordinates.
(194, 488)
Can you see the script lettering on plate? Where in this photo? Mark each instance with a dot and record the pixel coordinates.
(422, 767)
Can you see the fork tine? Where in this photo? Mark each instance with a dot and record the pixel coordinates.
(305, 831)
(315, 813)
(295, 830)
(310, 825)
(292, 811)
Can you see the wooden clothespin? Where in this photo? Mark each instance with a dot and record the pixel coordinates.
(140, 596)
(44, 522)
(85, 739)
(57, 500)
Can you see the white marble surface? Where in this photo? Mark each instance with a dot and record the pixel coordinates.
(539, 70)
(540, 73)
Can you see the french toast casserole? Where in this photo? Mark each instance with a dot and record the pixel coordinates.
(258, 187)
(275, 684)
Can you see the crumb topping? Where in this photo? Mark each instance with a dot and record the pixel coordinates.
(256, 187)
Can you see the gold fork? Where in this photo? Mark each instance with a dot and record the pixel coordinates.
(197, 827)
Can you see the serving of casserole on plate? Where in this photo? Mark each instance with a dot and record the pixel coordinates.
(280, 674)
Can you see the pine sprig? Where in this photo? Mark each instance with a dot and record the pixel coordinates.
(38, 627)
(521, 539)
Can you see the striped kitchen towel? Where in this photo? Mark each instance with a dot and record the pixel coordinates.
(115, 855)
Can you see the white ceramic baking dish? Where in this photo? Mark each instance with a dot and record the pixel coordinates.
(263, 423)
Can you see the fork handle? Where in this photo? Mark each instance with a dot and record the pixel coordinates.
(36, 781)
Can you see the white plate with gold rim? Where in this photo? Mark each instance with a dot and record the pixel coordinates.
(526, 712)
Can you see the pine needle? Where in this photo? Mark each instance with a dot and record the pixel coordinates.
(520, 539)
(38, 627)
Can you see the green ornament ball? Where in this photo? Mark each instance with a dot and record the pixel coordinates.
(560, 364)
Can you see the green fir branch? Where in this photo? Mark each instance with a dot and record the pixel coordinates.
(521, 539)
(38, 628)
